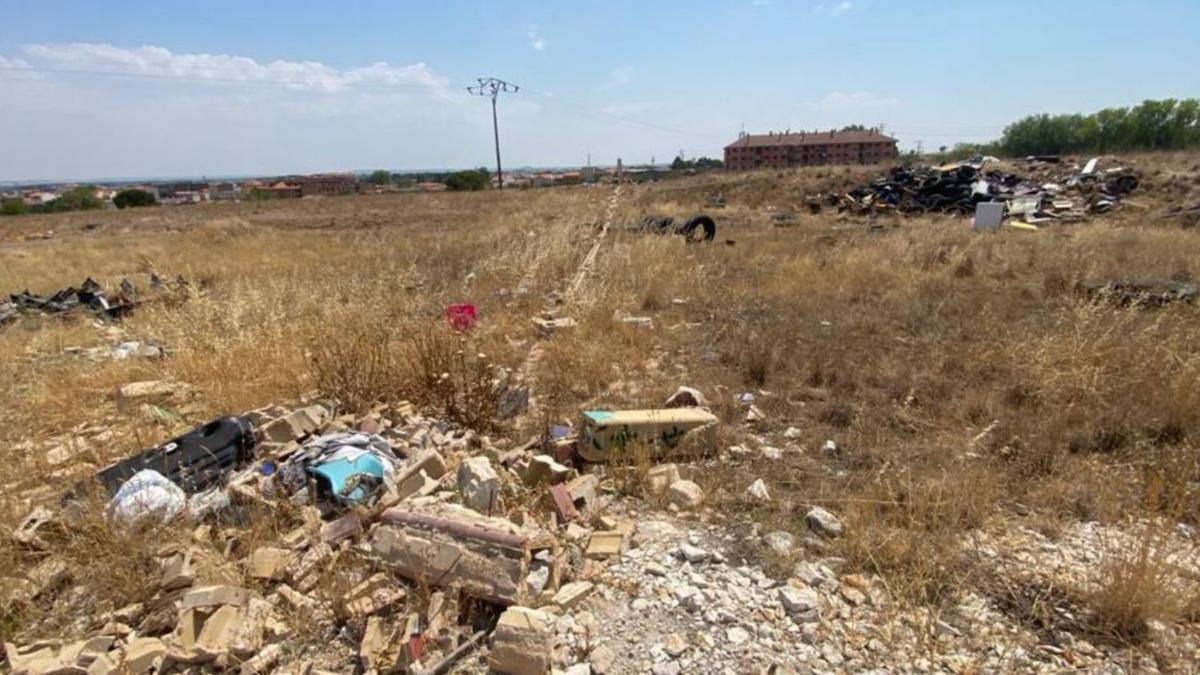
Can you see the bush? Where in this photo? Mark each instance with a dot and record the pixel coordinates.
(82, 198)
(13, 207)
(460, 181)
(133, 197)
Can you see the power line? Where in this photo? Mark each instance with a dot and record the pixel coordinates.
(490, 86)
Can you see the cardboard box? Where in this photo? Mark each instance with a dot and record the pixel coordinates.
(605, 433)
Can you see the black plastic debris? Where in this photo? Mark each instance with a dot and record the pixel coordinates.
(89, 295)
(194, 461)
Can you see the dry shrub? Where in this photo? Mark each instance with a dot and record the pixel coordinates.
(1137, 584)
(443, 371)
(909, 528)
(358, 365)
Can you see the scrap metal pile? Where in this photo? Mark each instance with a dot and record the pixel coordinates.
(414, 540)
(1047, 189)
(90, 296)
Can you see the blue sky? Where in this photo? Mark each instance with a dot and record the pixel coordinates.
(121, 88)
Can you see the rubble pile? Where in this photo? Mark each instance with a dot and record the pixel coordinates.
(412, 542)
(1040, 190)
(312, 542)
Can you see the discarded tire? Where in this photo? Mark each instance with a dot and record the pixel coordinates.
(699, 228)
(1143, 292)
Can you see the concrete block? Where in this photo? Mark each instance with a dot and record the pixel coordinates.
(522, 643)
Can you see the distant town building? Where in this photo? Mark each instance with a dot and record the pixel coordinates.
(327, 184)
(224, 192)
(809, 148)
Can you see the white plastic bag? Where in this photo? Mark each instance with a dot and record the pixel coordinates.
(147, 493)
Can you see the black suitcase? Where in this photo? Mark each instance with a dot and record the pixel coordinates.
(194, 461)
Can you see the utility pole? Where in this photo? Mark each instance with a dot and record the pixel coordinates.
(490, 86)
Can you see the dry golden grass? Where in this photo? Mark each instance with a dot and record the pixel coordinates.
(902, 344)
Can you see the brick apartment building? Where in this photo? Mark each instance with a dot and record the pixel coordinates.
(809, 148)
(327, 184)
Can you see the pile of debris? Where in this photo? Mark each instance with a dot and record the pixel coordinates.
(1049, 190)
(422, 540)
(89, 296)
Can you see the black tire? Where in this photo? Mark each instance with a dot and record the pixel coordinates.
(691, 229)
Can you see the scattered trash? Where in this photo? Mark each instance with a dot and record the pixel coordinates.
(605, 432)
(88, 296)
(1141, 292)
(194, 462)
(342, 470)
(1056, 192)
(461, 317)
(147, 493)
(988, 216)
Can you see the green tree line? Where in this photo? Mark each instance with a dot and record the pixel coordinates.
(1169, 124)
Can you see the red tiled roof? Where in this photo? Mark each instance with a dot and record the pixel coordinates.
(810, 138)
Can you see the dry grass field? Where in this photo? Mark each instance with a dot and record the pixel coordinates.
(970, 388)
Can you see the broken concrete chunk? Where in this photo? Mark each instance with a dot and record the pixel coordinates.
(417, 475)
(217, 636)
(479, 484)
(264, 661)
(374, 595)
(342, 528)
(270, 563)
(451, 545)
(563, 505)
(603, 545)
(799, 603)
(572, 594)
(522, 642)
(142, 654)
(603, 432)
(659, 478)
(823, 522)
(372, 651)
(544, 469)
(551, 326)
(583, 491)
(295, 425)
(757, 492)
(685, 494)
(39, 657)
(212, 596)
(142, 391)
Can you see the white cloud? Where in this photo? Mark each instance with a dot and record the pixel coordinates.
(535, 38)
(161, 63)
(618, 77)
(622, 109)
(834, 10)
(839, 100)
